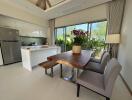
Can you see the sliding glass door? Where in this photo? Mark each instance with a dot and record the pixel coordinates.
(69, 38)
(97, 31)
(82, 27)
(60, 38)
(98, 34)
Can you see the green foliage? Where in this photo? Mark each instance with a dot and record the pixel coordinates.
(93, 44)
(59, 42)
(99, 31)
(90, 44)
(78, 40)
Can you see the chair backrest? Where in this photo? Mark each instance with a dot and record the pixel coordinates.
(104, 60)
(102, 55)
(112, 70)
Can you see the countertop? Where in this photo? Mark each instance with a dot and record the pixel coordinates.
(40, 47)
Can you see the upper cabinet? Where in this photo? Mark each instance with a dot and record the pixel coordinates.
(31, 32)
(25, 28)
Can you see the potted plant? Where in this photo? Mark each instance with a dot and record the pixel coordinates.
(78, 39)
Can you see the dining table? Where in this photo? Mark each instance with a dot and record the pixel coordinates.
(75, 61)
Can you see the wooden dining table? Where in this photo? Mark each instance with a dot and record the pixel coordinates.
(75, 61)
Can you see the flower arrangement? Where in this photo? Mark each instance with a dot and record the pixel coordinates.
(79, 36)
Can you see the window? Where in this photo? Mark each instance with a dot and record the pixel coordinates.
(69, 37)
(60, 34)
(97, 31)
(69, 29)
(82, 27)
(60, 38)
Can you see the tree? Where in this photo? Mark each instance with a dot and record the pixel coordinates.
(99, 30)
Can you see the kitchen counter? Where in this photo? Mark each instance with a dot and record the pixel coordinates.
(36, 48)
(33, 55)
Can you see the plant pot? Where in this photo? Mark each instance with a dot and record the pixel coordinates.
(76, 49)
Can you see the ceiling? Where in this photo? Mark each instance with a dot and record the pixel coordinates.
(46, 4)
(58, 8)
(53, 2)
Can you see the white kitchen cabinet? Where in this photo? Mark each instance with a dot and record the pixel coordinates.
(32, 56)
(1, 60)
(33, 32)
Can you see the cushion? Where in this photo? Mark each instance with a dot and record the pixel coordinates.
(92, 59)
(105, 59)
(92, 80)
(96, 67)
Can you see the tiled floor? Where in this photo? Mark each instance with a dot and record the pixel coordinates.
(16, 83)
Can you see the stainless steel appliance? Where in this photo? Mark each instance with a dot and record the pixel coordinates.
(10, 45)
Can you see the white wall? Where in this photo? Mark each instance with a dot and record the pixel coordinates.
(90, 14)
(25, 28)
(125, 50)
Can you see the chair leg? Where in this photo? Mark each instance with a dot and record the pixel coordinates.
(78, 89)
(77, 72)
(107, 98)
(61, 71)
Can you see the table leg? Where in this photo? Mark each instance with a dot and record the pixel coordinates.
(61, 71)
(72, 73)
(52, 72)
(46, 71)
(73, 77)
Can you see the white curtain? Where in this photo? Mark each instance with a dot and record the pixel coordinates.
(51, 39)
(115, 11)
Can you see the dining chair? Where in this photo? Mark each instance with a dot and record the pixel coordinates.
(100, 83)
(98, 67)
(93, 59)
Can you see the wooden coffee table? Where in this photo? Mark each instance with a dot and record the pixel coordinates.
(76, 61)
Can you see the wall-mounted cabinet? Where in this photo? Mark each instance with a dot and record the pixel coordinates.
(25, 28)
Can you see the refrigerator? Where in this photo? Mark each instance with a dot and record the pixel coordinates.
(10, 45)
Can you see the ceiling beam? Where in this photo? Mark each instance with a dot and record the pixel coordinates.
(48, 2)
(44, 3)
(39, 2)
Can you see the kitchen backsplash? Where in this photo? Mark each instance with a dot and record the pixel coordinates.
(31, 41)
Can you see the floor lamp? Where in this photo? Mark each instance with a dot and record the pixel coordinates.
(113, 40)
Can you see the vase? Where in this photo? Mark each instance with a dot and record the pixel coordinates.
(76, 49)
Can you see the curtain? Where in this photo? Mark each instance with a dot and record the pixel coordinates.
(51, 40)
(115, 11)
